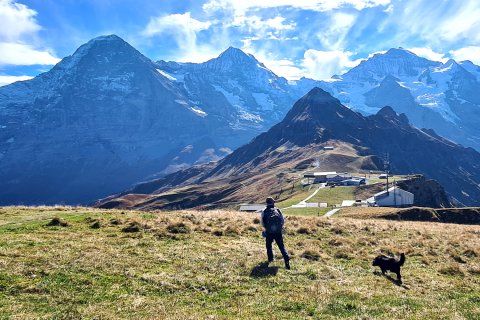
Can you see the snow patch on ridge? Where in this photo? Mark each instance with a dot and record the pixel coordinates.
(166, 75)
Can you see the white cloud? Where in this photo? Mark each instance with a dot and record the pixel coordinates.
(16, 20)
(428, 54)
(23, 54)
(4, 80)
(471, 53)
(18, 27)
(174, 23)
(184, 29)
(322, 65)
(316, 5)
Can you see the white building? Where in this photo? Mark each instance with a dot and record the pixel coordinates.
(394, 197)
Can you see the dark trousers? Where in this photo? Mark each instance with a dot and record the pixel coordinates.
(278, 237)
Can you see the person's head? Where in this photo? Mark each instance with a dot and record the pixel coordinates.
(270, 201)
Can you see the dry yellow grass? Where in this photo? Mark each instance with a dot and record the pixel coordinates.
(191, 264)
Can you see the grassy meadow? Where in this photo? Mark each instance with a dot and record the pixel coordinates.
(82, 263)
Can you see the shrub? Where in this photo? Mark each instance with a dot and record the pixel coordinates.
(96, 225)
(452, 270)
(57, 222)
(115, 222)
(217, 232)
(178, 227)
(232, 231)
(133, 226)
(311, 255)
(303, 230)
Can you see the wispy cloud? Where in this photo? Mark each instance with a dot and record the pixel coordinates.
(334, 33)
(316, 5)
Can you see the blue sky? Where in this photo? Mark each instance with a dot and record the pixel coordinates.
(294, 38)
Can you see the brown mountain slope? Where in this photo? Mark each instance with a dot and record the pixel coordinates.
(267, 164)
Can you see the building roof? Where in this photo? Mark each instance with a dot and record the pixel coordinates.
(324, 173)
(252, 207)
(384, 194)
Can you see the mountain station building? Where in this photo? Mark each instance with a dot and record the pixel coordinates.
(394, 197)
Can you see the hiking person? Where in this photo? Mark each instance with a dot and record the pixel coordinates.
(272, 220)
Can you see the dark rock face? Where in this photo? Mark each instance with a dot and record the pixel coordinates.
(428, 192)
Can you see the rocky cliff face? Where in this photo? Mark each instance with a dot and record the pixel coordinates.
(428, 192)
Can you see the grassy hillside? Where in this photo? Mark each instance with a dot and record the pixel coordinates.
(189, 265)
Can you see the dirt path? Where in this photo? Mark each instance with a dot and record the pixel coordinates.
(303, 203)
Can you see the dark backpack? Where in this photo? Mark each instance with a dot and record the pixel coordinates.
(273, 220)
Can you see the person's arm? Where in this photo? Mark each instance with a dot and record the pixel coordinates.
(261, 218)
(281, 215)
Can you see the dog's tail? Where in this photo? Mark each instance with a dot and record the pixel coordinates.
(402, 259)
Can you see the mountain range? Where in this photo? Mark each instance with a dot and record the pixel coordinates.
(107, 117)
(435, 95)
(264, 166)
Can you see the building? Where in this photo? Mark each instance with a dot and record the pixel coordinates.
(337, 178)
(354, 182)
(319, 177)
(328, 148)
(252, 207)
(394, 197)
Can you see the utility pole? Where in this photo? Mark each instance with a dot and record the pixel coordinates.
(386, 164)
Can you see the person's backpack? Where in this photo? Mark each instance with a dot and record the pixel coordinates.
(273, 220)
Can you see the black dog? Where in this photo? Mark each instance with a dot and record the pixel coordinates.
(390, 264)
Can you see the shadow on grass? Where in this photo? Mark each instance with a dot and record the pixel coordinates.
(392, 280)
(263, 270)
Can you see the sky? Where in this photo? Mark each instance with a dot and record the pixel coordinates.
(294, 38)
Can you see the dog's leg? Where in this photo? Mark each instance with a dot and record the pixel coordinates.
(383, 271)
(399, 277)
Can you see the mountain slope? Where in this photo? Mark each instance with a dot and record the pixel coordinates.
(434, 95)
(264, 165)
(238, 85)
(97, 122)
(107, 117)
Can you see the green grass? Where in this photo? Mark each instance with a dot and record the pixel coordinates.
(212, 269)
(333, 196)
(297, 197)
